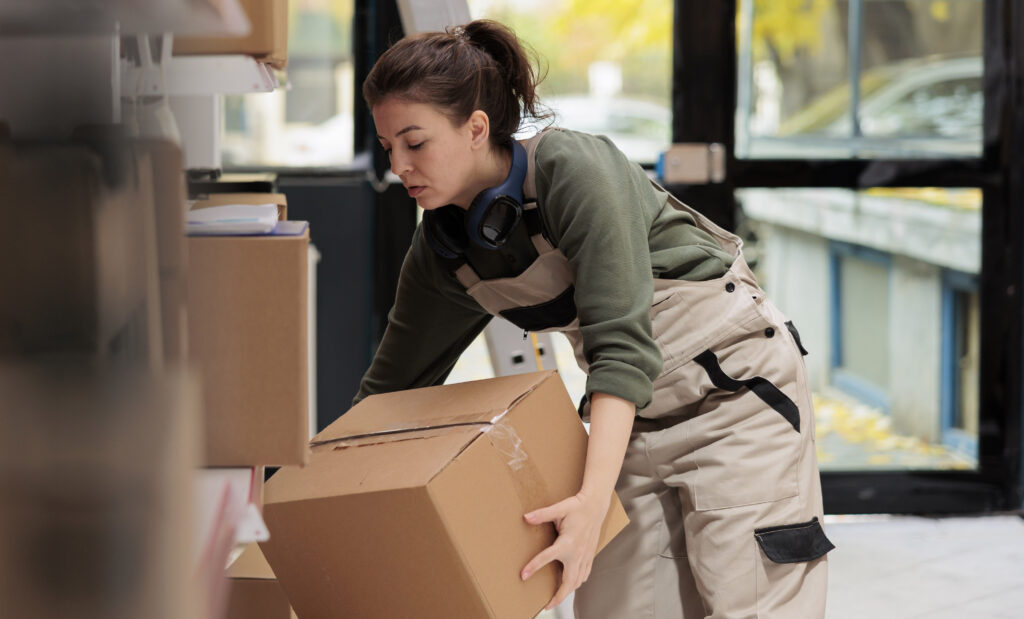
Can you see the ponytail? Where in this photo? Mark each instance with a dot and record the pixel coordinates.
(479, 66)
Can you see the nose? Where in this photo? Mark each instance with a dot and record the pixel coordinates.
(400, 163)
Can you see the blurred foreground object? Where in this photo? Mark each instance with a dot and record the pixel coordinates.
(95, 490)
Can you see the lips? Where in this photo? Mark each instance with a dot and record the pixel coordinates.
(415, 190)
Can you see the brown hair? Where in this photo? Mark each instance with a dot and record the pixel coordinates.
(479, 66)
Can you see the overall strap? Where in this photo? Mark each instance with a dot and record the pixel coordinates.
(531, 215)
(530, 183)
(531, 212)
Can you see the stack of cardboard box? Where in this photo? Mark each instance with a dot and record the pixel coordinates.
(99, 281)
(143, 390)
(99, 421)
(248, 336)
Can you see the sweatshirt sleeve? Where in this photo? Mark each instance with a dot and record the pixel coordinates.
(598, 206)
(431, 323)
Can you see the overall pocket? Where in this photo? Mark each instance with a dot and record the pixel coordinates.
(689, 317)
(794, 543)
(747, 435)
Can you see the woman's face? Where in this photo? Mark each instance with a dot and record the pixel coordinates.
(435, 160)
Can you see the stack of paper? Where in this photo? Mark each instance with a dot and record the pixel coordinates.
(233, 219)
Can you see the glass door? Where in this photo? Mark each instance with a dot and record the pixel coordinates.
(869, 152)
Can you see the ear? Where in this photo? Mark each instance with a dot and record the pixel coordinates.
(479, 126)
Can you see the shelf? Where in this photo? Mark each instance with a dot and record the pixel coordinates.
(180, 17)
(199, 75)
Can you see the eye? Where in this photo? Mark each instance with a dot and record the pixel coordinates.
(415, 146)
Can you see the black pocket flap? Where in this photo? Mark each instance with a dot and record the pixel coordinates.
(794, 543)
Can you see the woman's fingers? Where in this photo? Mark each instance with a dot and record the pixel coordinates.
(578, 527)
(544, 557)
(569, 584)
(551, 513)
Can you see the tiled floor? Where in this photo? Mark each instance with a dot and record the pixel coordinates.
(924, 568)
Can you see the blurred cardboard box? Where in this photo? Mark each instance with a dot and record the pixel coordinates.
(247, 324)
(267, 40)
(96, 463)
(220, 199)
(169, 201)
(412, 503)
(254, 590)
(78, 264)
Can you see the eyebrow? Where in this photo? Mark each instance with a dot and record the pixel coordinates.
(406, 130)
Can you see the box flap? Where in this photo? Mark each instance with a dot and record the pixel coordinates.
(337, 469)
(470, 403)
(251, 564)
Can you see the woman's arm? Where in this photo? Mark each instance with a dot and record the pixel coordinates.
(431, 322)
(578, 519)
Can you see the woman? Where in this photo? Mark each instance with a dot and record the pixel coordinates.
(696, 392)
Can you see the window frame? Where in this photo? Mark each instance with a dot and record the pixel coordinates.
(954, 283)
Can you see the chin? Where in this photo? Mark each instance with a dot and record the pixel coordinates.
(429, 205)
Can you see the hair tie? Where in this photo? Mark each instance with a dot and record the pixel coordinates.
(460, 33)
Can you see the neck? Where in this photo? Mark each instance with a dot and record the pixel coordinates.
(494, 168)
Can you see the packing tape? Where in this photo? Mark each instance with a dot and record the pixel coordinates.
(382, 435)
(529, 485)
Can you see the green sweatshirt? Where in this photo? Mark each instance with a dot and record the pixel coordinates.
(616, 230)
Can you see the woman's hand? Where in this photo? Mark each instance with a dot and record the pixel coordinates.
(578, 520)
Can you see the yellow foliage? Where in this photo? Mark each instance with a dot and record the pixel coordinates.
(788, 26)
(939, 10)
(613, 29)
(859, 424)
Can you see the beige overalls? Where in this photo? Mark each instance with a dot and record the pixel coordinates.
(720, 479)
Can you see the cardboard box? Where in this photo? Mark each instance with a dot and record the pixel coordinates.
(95, 483)
(254, 590)
(247, 324)
(412, 503)
(267, 40)
(78, 268)
(220, 199)
(168, 180)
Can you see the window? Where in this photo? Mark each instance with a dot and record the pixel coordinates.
(308, 121)
(864, 78)
(882, 286)
(620, 89)
(861, 333)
